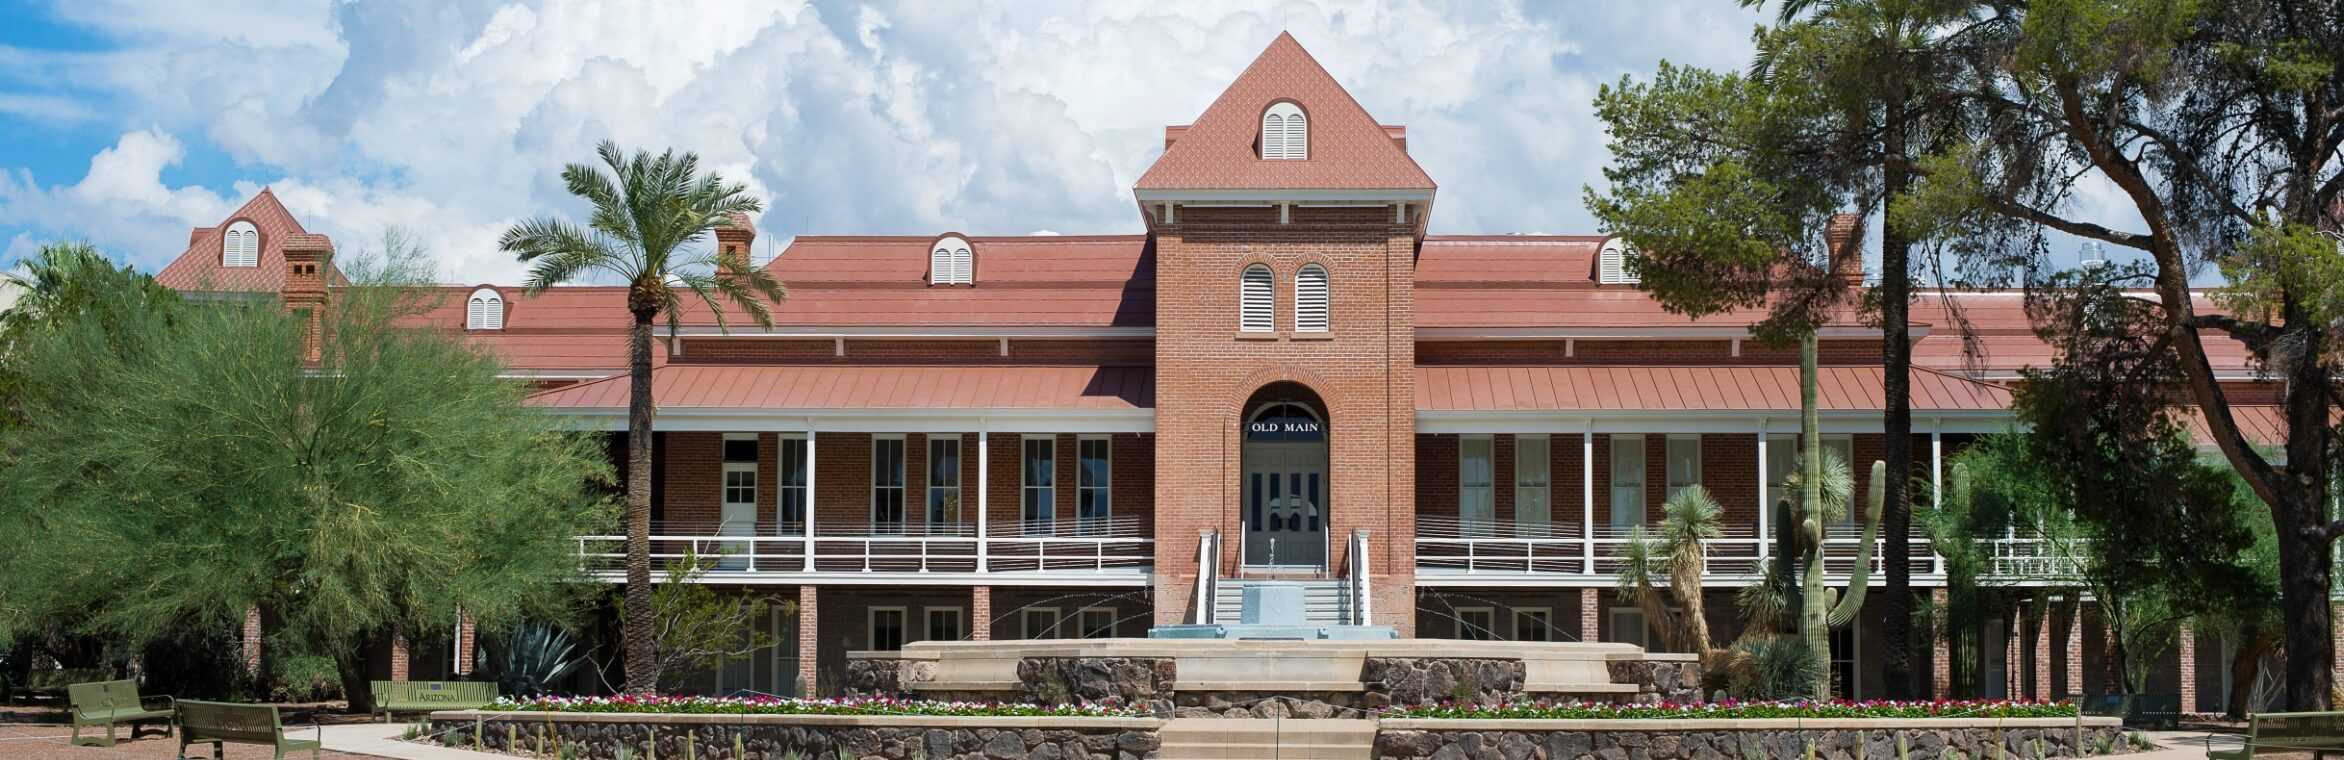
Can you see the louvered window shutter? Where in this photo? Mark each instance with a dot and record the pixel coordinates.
(1297, 138)
(1610, 263)
(1310, 299)
(940, 266)
(493, 313)
(1258, 296)
(476, 313)
(963, 265)
(1273, 136)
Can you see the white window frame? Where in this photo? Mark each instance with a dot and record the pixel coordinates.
(928, 622)
(1485, 629)
(1534, 624)
(951, 262)
(1476, 489)
(1534, 484)
(1257, 299)
(1636, 506)
(1627, 622)
(240, 245)
(1285, 134)
(901, 463)
(1025, 621)
(903, 622)
(1104, 490)
(1309, 316)
(484, 310)
(1669, 452)
(1082, 622)
(782, 525)
(1612, 264)
(951, 522)
(1030, 521)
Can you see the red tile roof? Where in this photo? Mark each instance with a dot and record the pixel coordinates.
(1583, 388)
(1536, 281)
(1348, 149)
(1030, 281)
(894, 387)
(198, 268)
(580, 328)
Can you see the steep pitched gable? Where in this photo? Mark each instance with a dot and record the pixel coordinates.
(1348, 149)
(199, 268)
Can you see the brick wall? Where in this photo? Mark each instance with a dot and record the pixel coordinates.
(1362, 369)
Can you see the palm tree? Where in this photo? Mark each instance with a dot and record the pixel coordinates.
(648, 212)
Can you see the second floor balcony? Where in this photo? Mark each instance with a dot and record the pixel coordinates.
(1112, 552)
(1454, 552)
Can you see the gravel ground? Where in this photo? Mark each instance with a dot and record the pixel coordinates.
(40, 734)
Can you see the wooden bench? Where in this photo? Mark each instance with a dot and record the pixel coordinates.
(219, 723)
(429, 696)
(2292, 734)
(110, 703)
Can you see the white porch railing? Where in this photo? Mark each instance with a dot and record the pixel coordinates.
(1446, 545)
(1115, 545)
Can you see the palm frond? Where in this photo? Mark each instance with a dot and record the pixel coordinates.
(1838, 484)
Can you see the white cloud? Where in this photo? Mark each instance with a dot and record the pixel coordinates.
(452, 119)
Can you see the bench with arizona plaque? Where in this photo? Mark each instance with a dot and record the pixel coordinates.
(429, 696)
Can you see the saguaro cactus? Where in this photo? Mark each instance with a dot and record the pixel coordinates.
(1820, 608)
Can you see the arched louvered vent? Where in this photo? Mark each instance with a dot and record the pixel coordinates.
(951, 262)
(1285, 133)
(1257, 296)
(240, 246)
(1310, 299)
(485, 310)
(1611, 264)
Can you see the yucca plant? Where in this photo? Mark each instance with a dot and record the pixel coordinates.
(531, 658)
(1690, 517)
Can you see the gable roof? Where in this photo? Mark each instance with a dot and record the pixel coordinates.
(198, 268)
(1348, 149)
(1085, 281)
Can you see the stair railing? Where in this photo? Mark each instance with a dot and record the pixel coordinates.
(1360, 611)
(1208, 574)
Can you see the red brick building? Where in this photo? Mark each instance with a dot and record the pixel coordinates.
(1287, 375)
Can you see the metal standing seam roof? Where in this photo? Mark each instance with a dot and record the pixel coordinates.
(1091, 388)
(1642, 388)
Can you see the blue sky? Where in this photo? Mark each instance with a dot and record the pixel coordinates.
(127, 122)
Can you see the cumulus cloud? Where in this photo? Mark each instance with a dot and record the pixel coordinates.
(452, 119)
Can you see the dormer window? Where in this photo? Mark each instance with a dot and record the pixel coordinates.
(1611, 264)
(240, 246)
(1285, 133)
(485, 310)
(950, 262)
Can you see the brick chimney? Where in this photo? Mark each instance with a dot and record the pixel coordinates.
(1843, 237)
(307, 259)
(732, 243)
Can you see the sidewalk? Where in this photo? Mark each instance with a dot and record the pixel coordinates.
(382, 740)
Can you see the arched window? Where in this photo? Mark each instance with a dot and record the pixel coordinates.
(485, 310)
(951, 263)
(1310, 299)
(1611, 264)
(240, 246)
(1257, 294)
(1285, 133)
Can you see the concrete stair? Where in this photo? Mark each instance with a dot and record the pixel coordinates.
(1263, 739)
(1325, 601)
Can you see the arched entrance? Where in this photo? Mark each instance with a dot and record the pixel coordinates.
(1283, 486)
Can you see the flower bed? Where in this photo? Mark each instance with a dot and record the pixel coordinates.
(789, 706)
(1731, 709)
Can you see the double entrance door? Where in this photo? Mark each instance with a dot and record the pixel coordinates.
(1285, 496)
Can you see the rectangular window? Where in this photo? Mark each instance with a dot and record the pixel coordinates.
(1040, 502)
(943, 624)
(1038, 622)
(1477, 623)
(1782, 459)
(1627, 627)
(1093, 478)
(794, 494)
(1096, 622)
(1534, 624)
(1684, 463)
(1627, 482)
(1475, 506)
(1533, 486)
(887, 484)
(943, 483)
(886, 629)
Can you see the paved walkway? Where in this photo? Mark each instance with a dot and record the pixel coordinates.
(382, 740)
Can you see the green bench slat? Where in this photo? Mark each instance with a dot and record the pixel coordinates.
(426, 696)
(111, 703)
(215, 723)
(2287, 733)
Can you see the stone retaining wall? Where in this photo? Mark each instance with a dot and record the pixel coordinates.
(1659, 679)
(771, 737)
(1768, 739)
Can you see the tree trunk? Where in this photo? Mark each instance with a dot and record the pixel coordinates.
(1896, 352)
(1814, 607)
(2309, 625)
(350, 669)
(2246, 667)
(642, 667)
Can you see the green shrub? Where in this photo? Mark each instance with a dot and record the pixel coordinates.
(1770, 668)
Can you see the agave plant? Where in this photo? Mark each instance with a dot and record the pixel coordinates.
(531, 659)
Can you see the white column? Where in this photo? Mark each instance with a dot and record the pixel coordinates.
(1936, 466)
(984, 489)
(1763, 534)
(810, 493)
(1587, 496)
